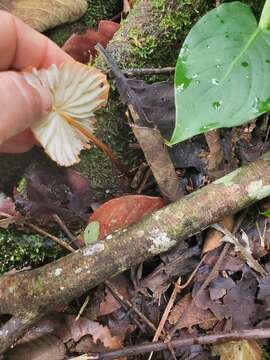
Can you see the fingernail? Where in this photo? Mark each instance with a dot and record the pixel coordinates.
(46, 98)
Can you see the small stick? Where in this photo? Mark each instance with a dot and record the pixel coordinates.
(52, 237)
(175, 327)
(118, 297)
(86, 301)
(63, 226)
(251, 334)
(149, 71)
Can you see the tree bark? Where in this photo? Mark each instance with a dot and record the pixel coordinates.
(28, 295)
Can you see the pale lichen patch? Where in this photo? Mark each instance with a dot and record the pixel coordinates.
(94, 249)
(78, 270)
(58, 272)
(140, 233)
(160, 241)
(256, 190)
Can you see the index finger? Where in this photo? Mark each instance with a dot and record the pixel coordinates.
(21, 46)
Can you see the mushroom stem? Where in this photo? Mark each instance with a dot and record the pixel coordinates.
(101, 145)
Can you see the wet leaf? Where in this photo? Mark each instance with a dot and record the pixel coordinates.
(238, 350)
(207, 82)
(43, 15)
(124, 211)
(91, 233)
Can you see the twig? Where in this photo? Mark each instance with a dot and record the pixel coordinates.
(215, 270)
(86, 301)
(149, 71)
(252, 334)
(63, 226)
(165, 315)
(121, 299)
(52, 237)
(175, 327)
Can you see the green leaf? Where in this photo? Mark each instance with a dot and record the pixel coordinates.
(266, 213)
(223, 72)
(91, 233)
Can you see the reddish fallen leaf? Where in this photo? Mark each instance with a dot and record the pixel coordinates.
(108, 28)
(82, 46)
(124, 211)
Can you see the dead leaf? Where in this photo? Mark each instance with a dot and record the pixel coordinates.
(82, 46)
(70, 328)
(124, 211)
(191, 315)
(44, 15)
(243, 248)
(238, 350)
(43, 348)
(109, 303)
(213, 237)
(240, 302)
(219, 287)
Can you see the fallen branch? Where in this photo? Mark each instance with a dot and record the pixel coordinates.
(254, 334)
(28, 295)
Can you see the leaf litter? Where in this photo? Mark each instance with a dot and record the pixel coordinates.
(237, 297)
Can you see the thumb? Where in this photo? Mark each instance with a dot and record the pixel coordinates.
(20, 104)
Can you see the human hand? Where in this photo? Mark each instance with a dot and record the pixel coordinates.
(20, 103)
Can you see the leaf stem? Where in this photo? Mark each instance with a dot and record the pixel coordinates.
(265, 16)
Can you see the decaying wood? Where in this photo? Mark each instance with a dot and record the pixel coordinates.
(28, 295)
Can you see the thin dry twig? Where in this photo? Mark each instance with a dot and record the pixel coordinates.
(251, 334)
(131, 307)
(86, 301)
(52, 237)
(148, 71)
(63, 226)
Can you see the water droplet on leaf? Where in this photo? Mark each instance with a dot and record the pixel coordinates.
(215, 81)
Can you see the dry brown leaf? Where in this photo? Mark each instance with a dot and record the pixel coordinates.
(238, 350)
(44, 15)
(213, 237)
(109, 304)
(70, 328)
(191, 315)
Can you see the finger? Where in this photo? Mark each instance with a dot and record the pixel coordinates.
(19, 143)
(20, 103)
(21, 46)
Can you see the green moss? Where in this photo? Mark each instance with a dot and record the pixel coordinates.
(97, 10)
(112, 128)
(18, 249)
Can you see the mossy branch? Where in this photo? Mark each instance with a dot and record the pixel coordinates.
(29, 294)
